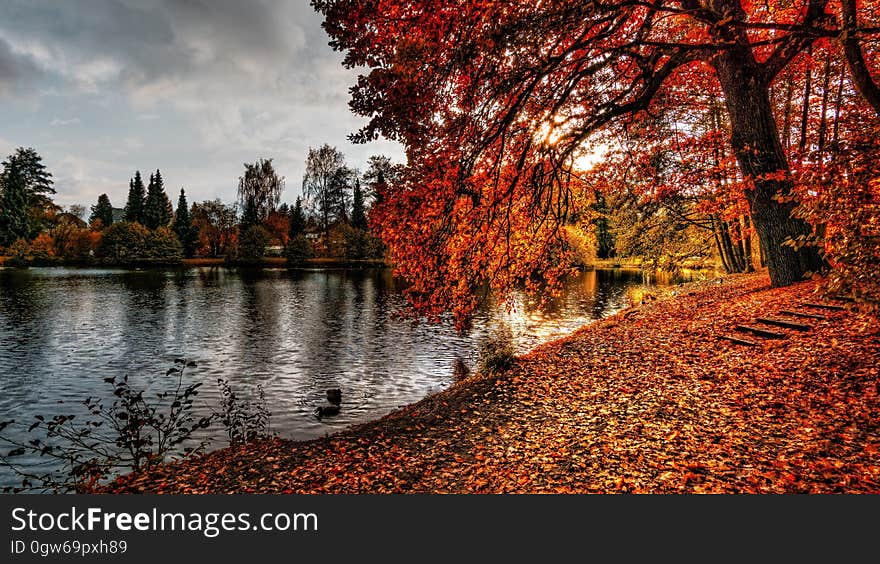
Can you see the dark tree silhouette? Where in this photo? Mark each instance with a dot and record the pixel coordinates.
(358, 208)
(31, 189)
(157, 207)
(137, 195)
(102, 211)
(186, 231)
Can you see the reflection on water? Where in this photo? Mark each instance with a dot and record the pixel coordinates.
(296, 333)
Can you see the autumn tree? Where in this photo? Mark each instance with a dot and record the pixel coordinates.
(216, 223)
(102, 212)
(495, 101)
(184, 228)
(259, 191)
(137, 195)
(157, 207)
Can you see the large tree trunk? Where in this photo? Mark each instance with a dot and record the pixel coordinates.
(755, 142)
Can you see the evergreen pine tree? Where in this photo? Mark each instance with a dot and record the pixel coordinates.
(157, 209)
(358, 210)
(298, 247)
(102, 211)
(34, 184)
(186, 231)
(250, 215)
(13, 205)
(134, 208)
(297, 220)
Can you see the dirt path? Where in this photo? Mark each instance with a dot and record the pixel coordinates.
(650, 400)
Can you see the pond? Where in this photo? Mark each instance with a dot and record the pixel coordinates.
(295, 333)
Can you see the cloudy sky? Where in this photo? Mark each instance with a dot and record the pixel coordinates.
(195, 88)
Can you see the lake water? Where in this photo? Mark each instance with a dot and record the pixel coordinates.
(295, 333)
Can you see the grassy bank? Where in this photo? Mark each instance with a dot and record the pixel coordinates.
(649, 400)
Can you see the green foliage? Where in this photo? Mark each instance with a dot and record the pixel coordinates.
(157, 207)
(496, 351)
(132, 243)
(25, 172)
(137, 196)
(297, 220)
(163, 247)
(360, 244)
(13, 204)
(102, 211)
(123, 242)
(358, 208)
(252, 244)
(187, 232)
(298, 250)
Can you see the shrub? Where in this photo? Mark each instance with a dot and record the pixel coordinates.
(496, 351)
(244, 421)
(132, 433)
(74, 242)
(42, 250)
(298, 250)
(132, 243)
(252, 244)
(123, 242)
(19, 253)
(162, 247)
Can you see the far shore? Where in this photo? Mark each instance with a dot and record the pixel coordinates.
(265, 262)
(338, 262)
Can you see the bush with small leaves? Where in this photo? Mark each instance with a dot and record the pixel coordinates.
(246, 420)
(132, 433)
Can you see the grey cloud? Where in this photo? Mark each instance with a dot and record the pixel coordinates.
(232, 79)
(17, 72)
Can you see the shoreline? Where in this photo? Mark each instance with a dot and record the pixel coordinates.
(265, 262)
(630, 403)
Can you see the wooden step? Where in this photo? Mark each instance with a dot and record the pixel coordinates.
(783, 323)
(760, 332)
(738, 340)
(801, 314)
(823, 306)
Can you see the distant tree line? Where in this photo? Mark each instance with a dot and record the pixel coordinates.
(331, 219)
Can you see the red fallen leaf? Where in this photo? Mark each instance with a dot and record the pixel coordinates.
(565, 426)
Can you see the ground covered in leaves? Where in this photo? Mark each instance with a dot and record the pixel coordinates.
(649, 400)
